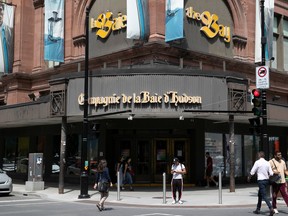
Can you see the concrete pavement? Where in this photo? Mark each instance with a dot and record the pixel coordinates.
(195, 197)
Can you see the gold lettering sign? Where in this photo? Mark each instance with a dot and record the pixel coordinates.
(144, 97)
(105, 23)
(210, 24)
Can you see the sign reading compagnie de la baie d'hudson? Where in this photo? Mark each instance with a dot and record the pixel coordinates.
(144, 97)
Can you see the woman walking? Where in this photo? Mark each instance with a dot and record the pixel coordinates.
(102, 183)
(128, 173)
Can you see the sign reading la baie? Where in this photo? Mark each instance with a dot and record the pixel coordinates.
(145, 97)
(105, 23)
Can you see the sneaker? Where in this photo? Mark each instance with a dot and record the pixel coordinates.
(217, 184)
(272, 212)
(99, 207)
(276, 211)
(256, 211)
(173, 202)
(122, 188)
(180, 202)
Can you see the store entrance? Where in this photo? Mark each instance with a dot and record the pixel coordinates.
(164, 152)
(152, 157)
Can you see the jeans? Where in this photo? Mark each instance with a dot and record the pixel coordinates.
(263, 184)
(128, 179)
(177, 185)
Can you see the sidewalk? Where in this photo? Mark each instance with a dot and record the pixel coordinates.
(196, 197)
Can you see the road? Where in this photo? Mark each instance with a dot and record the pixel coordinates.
(16, 205)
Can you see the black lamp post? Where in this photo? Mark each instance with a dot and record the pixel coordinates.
(264, 105)
(84, 162)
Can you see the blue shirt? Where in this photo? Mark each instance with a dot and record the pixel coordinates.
(103, 176)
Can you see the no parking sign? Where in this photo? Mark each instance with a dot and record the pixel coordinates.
(262, 77)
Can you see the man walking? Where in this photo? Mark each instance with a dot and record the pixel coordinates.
(209, 170)
(263, 170)
(278, 167)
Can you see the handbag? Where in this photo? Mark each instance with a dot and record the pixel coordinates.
(103, 186)
(275, 177)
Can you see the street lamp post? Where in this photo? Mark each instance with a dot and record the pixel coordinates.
(84, 162)
(263, 62)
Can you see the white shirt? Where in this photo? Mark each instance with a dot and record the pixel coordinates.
(262, 168)
(178, 167)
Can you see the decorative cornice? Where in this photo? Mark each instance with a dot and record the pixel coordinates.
(38, 3)
(239, 40)
(79, 40)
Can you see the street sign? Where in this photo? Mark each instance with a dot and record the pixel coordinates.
(262, 77)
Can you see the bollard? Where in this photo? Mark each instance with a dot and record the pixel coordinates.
(220, 187)
(118, 186)
(164, 188)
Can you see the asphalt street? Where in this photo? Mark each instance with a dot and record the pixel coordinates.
(30, 205)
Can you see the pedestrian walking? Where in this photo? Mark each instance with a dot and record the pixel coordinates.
(209, 170)
(263, 170)
(102, 183)
(278, 167)
(120, 168)
(177, 170)
(128, 173)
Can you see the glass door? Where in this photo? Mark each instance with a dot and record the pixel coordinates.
(162, 157)
(142, 163)
(165, 151)
(180, 149)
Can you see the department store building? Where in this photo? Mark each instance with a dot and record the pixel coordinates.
(149, 98)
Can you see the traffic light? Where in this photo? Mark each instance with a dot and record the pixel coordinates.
(257, 102)
(255, 125)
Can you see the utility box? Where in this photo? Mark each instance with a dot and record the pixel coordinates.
(35, 172)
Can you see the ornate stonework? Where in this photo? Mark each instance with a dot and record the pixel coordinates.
(38, 3)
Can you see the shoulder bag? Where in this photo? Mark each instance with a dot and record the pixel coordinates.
(275, 177)
(102, 186)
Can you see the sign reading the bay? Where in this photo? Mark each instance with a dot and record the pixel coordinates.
(145, 97)
(210, 27)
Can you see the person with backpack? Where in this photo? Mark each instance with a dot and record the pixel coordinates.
(120, 168)
(102, 183)
(128, 173)
(177, 171)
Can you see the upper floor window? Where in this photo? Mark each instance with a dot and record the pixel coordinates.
(285, 43)
(280, 43)
(275, 39)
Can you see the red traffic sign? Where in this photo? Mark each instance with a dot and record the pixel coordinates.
(262, 77)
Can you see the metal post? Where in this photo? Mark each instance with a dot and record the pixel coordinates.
(232, 153)
(264, 105)
(118, 185)
(164, 188)
(84, 162)
(62, 155)
(220, 188)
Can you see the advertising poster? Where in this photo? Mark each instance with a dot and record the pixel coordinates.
(54, 31)
(6, 38)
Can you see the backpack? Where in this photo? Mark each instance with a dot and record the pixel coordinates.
(183, 175)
